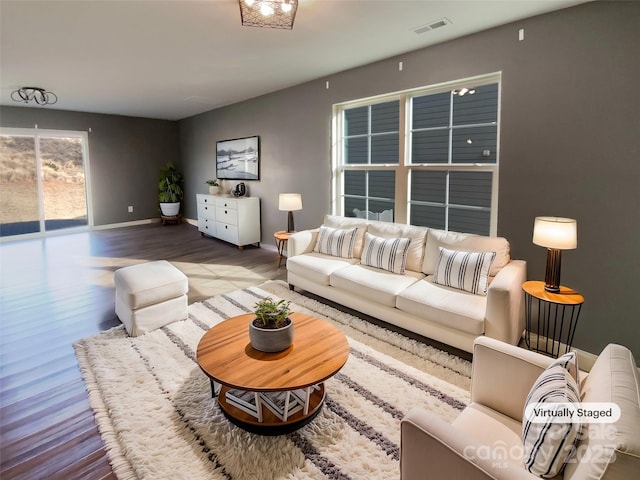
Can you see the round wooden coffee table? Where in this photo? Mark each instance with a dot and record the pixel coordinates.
(271, 393)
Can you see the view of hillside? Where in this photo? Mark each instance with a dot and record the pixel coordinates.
(62, 173)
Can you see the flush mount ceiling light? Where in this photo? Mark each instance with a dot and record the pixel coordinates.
(268, 13)
(34, 94)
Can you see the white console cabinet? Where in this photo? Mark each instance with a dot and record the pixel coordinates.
(234, 220)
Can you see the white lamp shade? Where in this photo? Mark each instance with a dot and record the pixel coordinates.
(290, 201)
(556, 232)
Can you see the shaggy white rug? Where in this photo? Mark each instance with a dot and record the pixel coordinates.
(155, 413)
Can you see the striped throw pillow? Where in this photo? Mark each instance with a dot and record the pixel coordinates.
(550, 442)
(336, 242)
(569, 361)
(386, 253)
(468, 271)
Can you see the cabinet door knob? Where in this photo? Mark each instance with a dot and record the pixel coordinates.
(225, 212)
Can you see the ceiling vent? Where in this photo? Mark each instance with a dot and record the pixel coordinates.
(443, 22)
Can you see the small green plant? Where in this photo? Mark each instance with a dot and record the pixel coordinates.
(213, 183)
(170, 185)
(271, 314)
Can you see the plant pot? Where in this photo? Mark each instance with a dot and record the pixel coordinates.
(170, 209)
(214, 190)
(271, 339)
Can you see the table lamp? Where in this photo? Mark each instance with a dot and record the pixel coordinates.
(290, 202)
(557, 234)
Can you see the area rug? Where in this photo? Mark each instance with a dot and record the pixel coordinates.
(154, 409)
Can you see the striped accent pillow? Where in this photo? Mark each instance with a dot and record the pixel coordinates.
(550, 442)
(569, 361)
(386, 253)
(336, 242)
(468, 271)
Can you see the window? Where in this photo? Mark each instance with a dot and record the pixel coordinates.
(371, 141)
(426, 156)
(42, 181)
(457, 128)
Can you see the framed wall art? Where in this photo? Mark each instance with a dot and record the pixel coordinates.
(238, 159)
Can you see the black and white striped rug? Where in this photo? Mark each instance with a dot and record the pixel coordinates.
(155, 413)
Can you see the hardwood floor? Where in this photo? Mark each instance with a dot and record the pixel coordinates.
(57, 290)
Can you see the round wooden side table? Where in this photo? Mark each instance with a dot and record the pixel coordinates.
(281, 238)
(555, 316)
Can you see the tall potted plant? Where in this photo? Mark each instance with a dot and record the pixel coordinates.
(170, 191)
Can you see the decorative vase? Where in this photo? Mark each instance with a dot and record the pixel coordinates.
(271, 340)
(170, 209)
(214, 190)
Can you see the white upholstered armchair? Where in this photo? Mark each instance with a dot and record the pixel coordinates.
(485, 441)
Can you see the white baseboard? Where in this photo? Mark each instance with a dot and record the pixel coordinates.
(125, 224)
(265, 245)
(268, 246)
(585, 359)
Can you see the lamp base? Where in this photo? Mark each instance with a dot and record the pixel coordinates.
(552, 274)
(290, 226)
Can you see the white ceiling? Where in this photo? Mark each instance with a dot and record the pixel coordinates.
(172, 59)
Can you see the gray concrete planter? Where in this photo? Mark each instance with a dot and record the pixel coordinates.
(271, 339)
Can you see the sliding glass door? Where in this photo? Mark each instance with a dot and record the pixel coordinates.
(43, 181)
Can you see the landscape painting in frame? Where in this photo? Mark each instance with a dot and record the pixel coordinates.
(238, 159)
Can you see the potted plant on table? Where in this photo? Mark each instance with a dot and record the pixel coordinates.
(170, 191)
(272, 329)
(214, 186)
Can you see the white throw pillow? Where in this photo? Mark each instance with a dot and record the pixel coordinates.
(468, 271)
(336, 242)
(386, 253)
(549, 445)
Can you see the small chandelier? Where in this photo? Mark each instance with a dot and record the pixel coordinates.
(34, 94)
(268, 13)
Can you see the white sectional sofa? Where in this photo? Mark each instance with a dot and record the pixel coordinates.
(418, 299)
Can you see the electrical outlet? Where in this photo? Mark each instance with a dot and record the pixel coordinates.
(130, 208)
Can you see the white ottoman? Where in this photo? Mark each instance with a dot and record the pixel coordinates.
(150, 295)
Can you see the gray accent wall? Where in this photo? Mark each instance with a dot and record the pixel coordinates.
(125, 156)
(570, 145)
